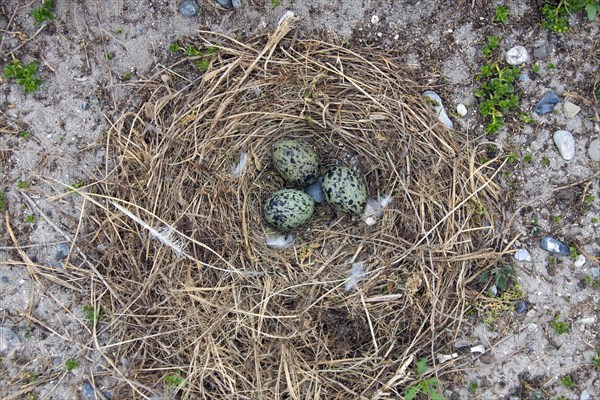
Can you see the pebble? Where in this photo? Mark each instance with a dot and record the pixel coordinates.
(571, 109)
(541, 52)
(9, 343)
(5, 279)
(566, 144)
(229, 3)
(63, 251)
(374, 19)
(547, 103)
(461, 110)
(595, 273)
(580, 261)
(315, 191)
(436, 105)
(522, 255)
(85, 106)
(517, 55)
(521, 307)
(189, 8)
(554, 246)
(594, 150)
(585, 395)
(88, 390)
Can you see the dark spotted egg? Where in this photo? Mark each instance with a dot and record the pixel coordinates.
(287, 209)
(345, 190)
(297, 163)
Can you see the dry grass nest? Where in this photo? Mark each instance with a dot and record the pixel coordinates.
(196, 305)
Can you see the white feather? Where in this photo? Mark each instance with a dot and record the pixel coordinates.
(237, 170)
(279, 242)
(355, 275)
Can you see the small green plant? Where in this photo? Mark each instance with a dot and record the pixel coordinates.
(589, 198)
(110, 56)
(191, 51)
(473, 386)
(596, 359)
(275, 3)
(174, 47)
(202, 65)
(92, 315)
(71, 364)
(545, 161)
(497, 93)
(30, 218)
(512, 157)
(425, 386)
(502, 275)
(127, 76)
(555, 13)
(22, 184)
(2, 201)
(25, 75)
(33, 396)
(536, 68)
(43, 13)
(527, 158)
(597, 94)
(594, 220)
(559, 327)
(119, 31)
(574, 252)
(175, 381)
(24, 134)
(556, 219)
(501, 15)
(588, 280)
(550, 66)
(567, 382)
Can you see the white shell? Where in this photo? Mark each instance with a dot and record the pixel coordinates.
(517, 55)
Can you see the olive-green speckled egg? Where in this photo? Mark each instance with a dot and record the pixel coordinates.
(287, 209)
(297, 163)
(345, 190)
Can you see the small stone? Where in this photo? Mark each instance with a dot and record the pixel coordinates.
(517, 55)
(521, 307)
(5, 279)
(236, 3)
(374, 19)
(88, 390)
(189, 8)
(585, 395)
(523, 77)
(315, 190)
(541, 52)
(461, 110)
(226, 3)
(566, 144)
(594, 150)
(10, 343)
(580, 261)
(554, 246)
(595, 273)
(522, 255)
(547, 103)
(85, 106)
(63, 251)
(571, 109)
(435, 102)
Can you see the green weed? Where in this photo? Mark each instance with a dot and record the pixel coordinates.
(25, 75)
(71, 364)
(527, 158)
(22, 184)
(589, 198)
(24, 134)
(43, 13)
(559, 327)
(92, 315)
(275, 3)
(596, 359)
(2, 201)
(536, 68)
(473, 386)
(567, 382)
(545, 161)
(550, 66)
(175, 381)
(501, 14)
(425, 386)
(502, 275)
(30, 218)
(497, 93)
(555, 13)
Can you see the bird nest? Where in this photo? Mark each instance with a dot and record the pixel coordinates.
(196, 300)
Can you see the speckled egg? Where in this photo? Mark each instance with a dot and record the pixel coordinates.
(345, 190)
(297, 163)
(287, 209)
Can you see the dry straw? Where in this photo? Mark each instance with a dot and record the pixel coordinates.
(194, 291)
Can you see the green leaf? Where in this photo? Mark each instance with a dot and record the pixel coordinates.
(202, 65)
(422, 366)
(591, 10)
(411, 393)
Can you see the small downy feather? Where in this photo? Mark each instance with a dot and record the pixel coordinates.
(374, 209)
(279, 242)
(355, 275)
(236, 171)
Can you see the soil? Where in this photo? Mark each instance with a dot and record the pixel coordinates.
(93, 50)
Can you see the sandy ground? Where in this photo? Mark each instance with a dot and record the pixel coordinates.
(93, 49)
